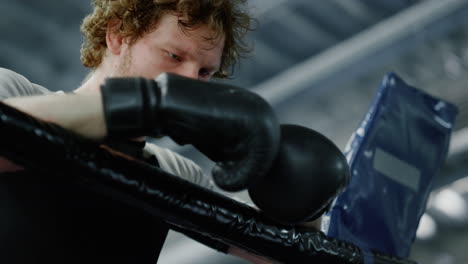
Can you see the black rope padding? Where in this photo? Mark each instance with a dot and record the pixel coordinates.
(49, 148)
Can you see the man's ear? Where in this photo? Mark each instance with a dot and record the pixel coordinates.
(114, 38)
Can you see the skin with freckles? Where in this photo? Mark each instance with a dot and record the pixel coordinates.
(194, 53)
(169, 49)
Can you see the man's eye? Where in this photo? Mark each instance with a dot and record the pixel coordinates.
(204, 73)
(174, 56)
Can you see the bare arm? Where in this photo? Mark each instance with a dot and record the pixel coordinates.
(80, 113)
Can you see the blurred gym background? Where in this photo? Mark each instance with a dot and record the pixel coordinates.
(319, 63)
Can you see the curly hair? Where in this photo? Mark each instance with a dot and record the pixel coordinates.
(138, 17)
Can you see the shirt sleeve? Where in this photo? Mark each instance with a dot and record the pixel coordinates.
(178, 165)
(13, 84)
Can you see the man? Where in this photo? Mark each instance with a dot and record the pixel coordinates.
(195, 39)
(153, 37)
(144, 38)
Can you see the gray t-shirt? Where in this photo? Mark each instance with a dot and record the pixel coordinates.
(13, 84)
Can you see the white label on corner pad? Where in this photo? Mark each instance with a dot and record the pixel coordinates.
(396, 169)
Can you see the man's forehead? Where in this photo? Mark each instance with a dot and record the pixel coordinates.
(202, 33)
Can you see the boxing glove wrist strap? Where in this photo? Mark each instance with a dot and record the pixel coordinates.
(130, 106)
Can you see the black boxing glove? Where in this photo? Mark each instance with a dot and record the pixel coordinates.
(232, 126)
(308, 173)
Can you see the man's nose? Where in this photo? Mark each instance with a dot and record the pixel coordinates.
(189, 72)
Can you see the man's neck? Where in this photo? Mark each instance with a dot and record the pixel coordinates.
(92, 82)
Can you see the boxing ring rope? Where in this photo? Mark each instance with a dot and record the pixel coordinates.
(181, 204)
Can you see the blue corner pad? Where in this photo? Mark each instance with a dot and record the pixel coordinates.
(394, 155)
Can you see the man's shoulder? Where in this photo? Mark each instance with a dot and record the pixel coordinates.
(11, 77)
(13, 84)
